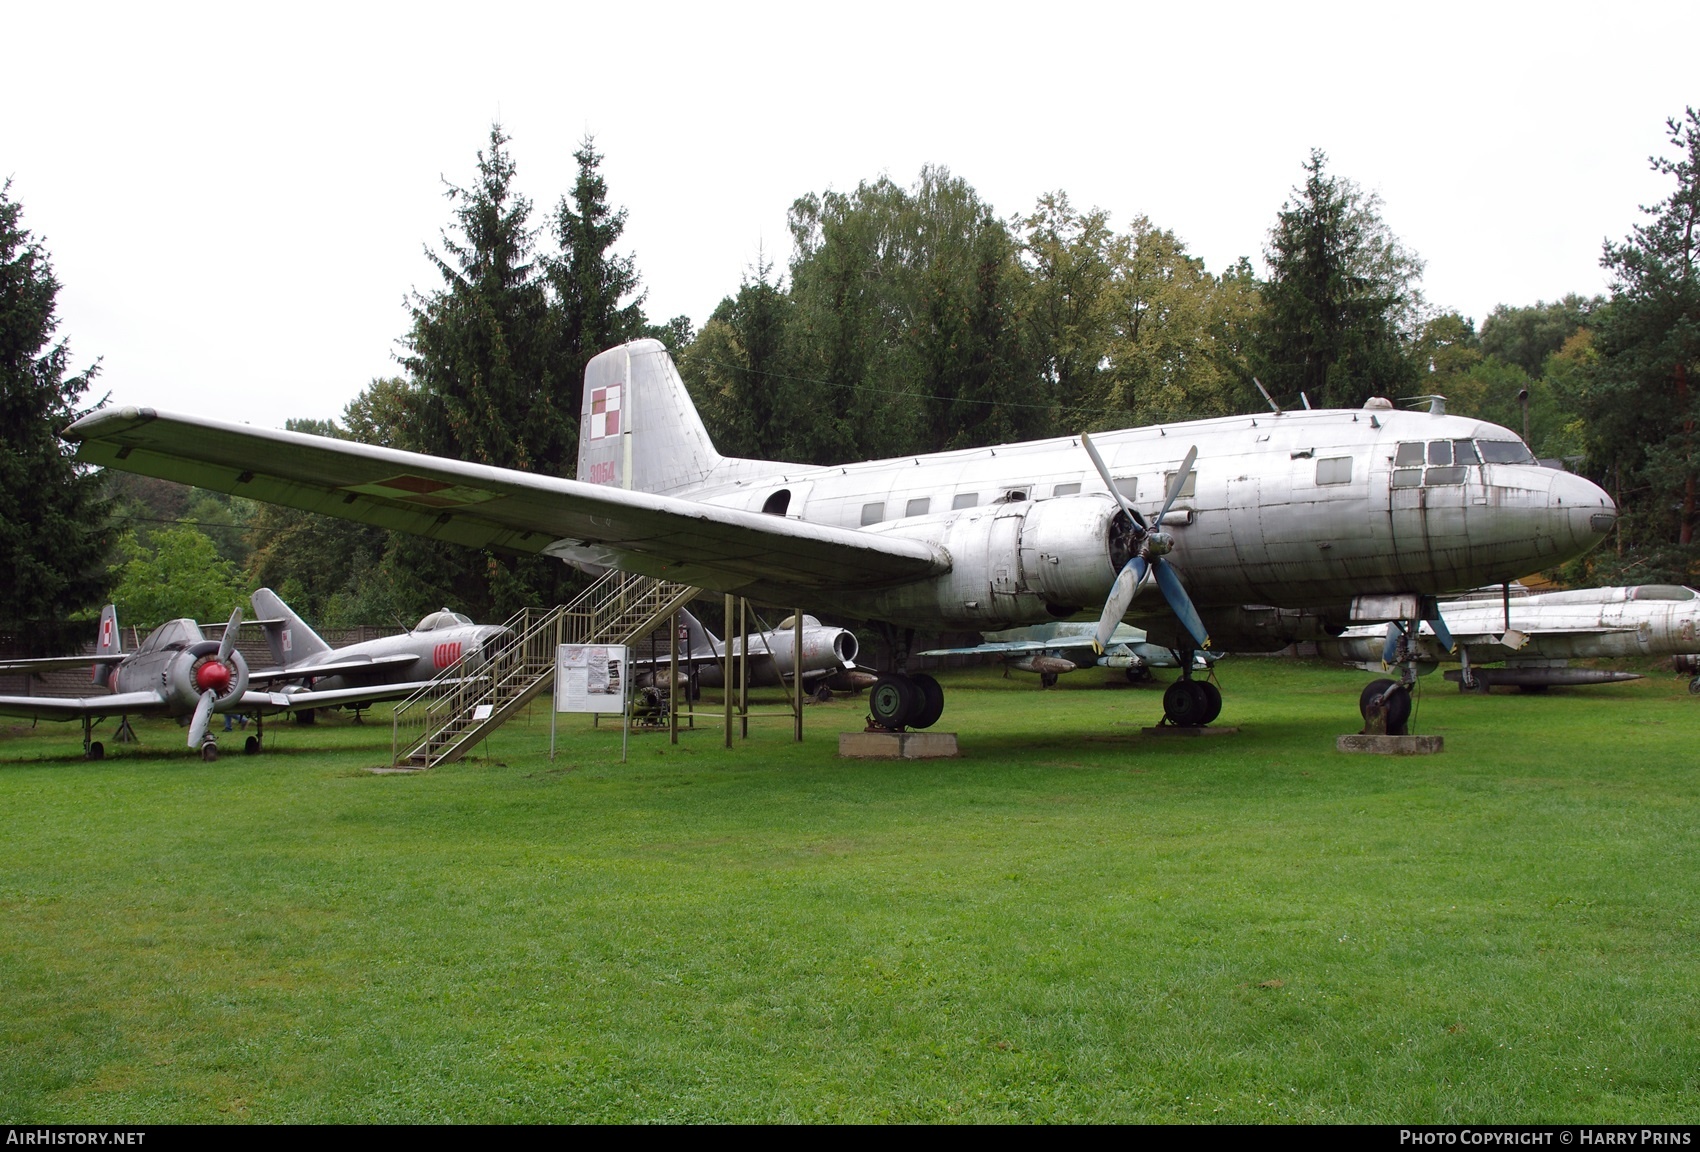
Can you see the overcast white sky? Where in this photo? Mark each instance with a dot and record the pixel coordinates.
(236, 197)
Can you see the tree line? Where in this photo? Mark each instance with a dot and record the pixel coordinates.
(907, 319)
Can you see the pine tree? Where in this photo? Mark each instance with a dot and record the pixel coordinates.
(1340, 306)
(589, 281)
(488, 385)
(54, 524)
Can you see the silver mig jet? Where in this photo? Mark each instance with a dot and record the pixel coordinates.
(440, 641)
(1337, 516)
(1052, 650)
(1536, 636)
(829, 656)
(176, 671)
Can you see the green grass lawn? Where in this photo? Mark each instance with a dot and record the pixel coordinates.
(1074, 921)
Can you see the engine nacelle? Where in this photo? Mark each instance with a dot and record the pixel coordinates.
(199, 669)
(1018, 563)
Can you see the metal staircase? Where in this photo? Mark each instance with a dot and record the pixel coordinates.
(444, 720)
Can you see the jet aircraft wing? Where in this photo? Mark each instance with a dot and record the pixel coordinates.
(485, 507)
(1017, 647)
(339, 667)
(75, 708)
(331, 698)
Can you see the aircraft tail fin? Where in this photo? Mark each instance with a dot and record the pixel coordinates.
(697, 640)
(110, 643)
(638, 427)
(288, 636)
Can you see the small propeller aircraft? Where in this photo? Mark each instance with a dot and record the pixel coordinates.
(829, 656)
(1053, 650)
(178, 672)
(1322, 518)
(440, 641)
(1535, 636)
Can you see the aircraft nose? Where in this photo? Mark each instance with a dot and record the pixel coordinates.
(1584, 512)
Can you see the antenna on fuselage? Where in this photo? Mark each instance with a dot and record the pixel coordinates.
(1273, 407)
(1436, 403)
(1306, 400)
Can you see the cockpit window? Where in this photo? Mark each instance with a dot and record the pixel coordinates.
(1505, 452)
(1408, 456)
(1440, 451)
(1464, 452)
(173, 635)
(442, 619)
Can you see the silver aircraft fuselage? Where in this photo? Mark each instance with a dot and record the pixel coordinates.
(1301, 509)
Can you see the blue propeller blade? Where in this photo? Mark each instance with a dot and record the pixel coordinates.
(1176, 595)
(1122, 592)
(1390, 650)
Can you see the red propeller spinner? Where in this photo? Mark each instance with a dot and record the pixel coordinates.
(212, 675)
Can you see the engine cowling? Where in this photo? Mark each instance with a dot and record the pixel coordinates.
(1018, 563)
(199, 669)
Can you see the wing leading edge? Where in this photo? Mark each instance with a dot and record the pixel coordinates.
(724, 549)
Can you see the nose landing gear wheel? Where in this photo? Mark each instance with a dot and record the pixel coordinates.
(209, 751)
(1394, 701)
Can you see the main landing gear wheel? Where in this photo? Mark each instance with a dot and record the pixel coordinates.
(823, 694)
(251, 746)
(1694, 686)
(1187, 704)
(1047, 679)
(899, 701)
(1394, 701)
(1137, 675)
(1212, 700)
(96, 751)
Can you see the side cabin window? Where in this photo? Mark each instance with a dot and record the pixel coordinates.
(1334, 470)
(1188, 488)
(1013, 496)
(1066, 489)
(965, 500)
(918, 506)
(873, 513)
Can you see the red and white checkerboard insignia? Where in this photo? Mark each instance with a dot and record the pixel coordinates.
(605, 412)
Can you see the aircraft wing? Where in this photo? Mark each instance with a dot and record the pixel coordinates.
(334, 668)
(684, 541)
(49, 663)
(307, 698)
(1017, 647)
(75, 708)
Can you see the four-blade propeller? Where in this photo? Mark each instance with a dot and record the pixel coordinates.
(212, 678)
(1151, 544)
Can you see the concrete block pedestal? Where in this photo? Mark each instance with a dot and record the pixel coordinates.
(1391, 745)
(897, 745)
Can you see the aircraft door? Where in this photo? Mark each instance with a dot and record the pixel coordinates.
(1005, 551)
(1245, 525)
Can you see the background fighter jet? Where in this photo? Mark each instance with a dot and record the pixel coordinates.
(1053, 650)
(438, 642)
(177, 672)
(829, 656)
(1354, 515)
(1535, 636)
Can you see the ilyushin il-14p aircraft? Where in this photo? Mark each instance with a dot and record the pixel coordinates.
(177, 671)
(1317, 518)
(1052, 650)
(440, 641)
(829, 656)
(1536, 636)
